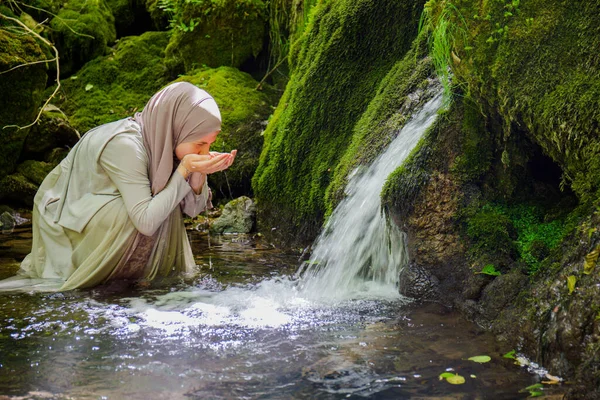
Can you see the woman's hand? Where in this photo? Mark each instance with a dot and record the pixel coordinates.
(205, 164)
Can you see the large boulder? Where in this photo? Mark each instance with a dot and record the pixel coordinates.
(22, 92)
(115, 86)
(244, 111)
(238, 217)
(81, 31)
(216, 33)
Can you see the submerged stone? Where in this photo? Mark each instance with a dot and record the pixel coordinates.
(238, 217)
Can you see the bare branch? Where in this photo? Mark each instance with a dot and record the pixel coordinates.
(49, 44)
(59, 18)
(26, 64)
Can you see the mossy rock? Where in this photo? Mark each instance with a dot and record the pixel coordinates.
(131, 17)
(224, 33)
(22, 93)
(337, 66)
(35, 171)
(115, 86)
(244, 111)
(52, 131)
(16, 189)
(238, 217)
(82, 30)
(534, 66)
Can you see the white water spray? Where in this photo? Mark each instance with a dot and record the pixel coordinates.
(359, 253)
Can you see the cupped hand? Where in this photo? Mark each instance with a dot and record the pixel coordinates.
(208, 163)
(231, 158)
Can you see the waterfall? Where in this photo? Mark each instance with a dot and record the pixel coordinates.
(359, 252)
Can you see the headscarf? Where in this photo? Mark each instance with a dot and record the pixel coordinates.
(178, 113)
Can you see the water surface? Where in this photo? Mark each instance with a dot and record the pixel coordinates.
(238, 329)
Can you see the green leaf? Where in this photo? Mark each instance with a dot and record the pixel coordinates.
(456, 379)
(480, 359)
(571, 281)
(510, 354)
(489, 270)
(534, 387)
(446, 375)
(88, 87)
(535, 394)
(590, 260)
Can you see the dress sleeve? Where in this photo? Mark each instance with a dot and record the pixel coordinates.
(193, 204)
(127, 166)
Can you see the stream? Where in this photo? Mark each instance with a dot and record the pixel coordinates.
(238, 329)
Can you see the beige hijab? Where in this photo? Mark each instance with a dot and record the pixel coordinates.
(178, 113)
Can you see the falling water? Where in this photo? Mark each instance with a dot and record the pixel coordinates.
(360, 253)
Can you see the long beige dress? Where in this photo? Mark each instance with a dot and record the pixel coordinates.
(95, 218)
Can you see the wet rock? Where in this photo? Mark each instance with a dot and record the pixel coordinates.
(238, 217)
(501, 292)
(7, 222)
(418, 283)
(52, 131)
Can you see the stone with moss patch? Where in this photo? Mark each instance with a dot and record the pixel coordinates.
(115, 86)
(52, 131)
(17, 189)
(81, 31)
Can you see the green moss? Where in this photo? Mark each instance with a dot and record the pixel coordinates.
(337, 67)
(34, 171)
(384, 117)
(115, 86)
(534, 64)
(81, 32)
(22, 91)
(244, 111)
(17, 189)
(215, 33)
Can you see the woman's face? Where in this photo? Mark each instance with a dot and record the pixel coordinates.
(201, 146)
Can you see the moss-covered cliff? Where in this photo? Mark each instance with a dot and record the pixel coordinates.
(337, 66)
(499, 201)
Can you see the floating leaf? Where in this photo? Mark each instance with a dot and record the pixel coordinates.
(571, 281)
(510, 354)
(590, 260)
(446, 375)
(534, 387)
(88, 87)
(480, 359)
(456, 379)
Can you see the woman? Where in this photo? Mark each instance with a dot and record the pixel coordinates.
(112, 208)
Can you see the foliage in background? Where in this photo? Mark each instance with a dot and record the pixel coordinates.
(524, 233)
